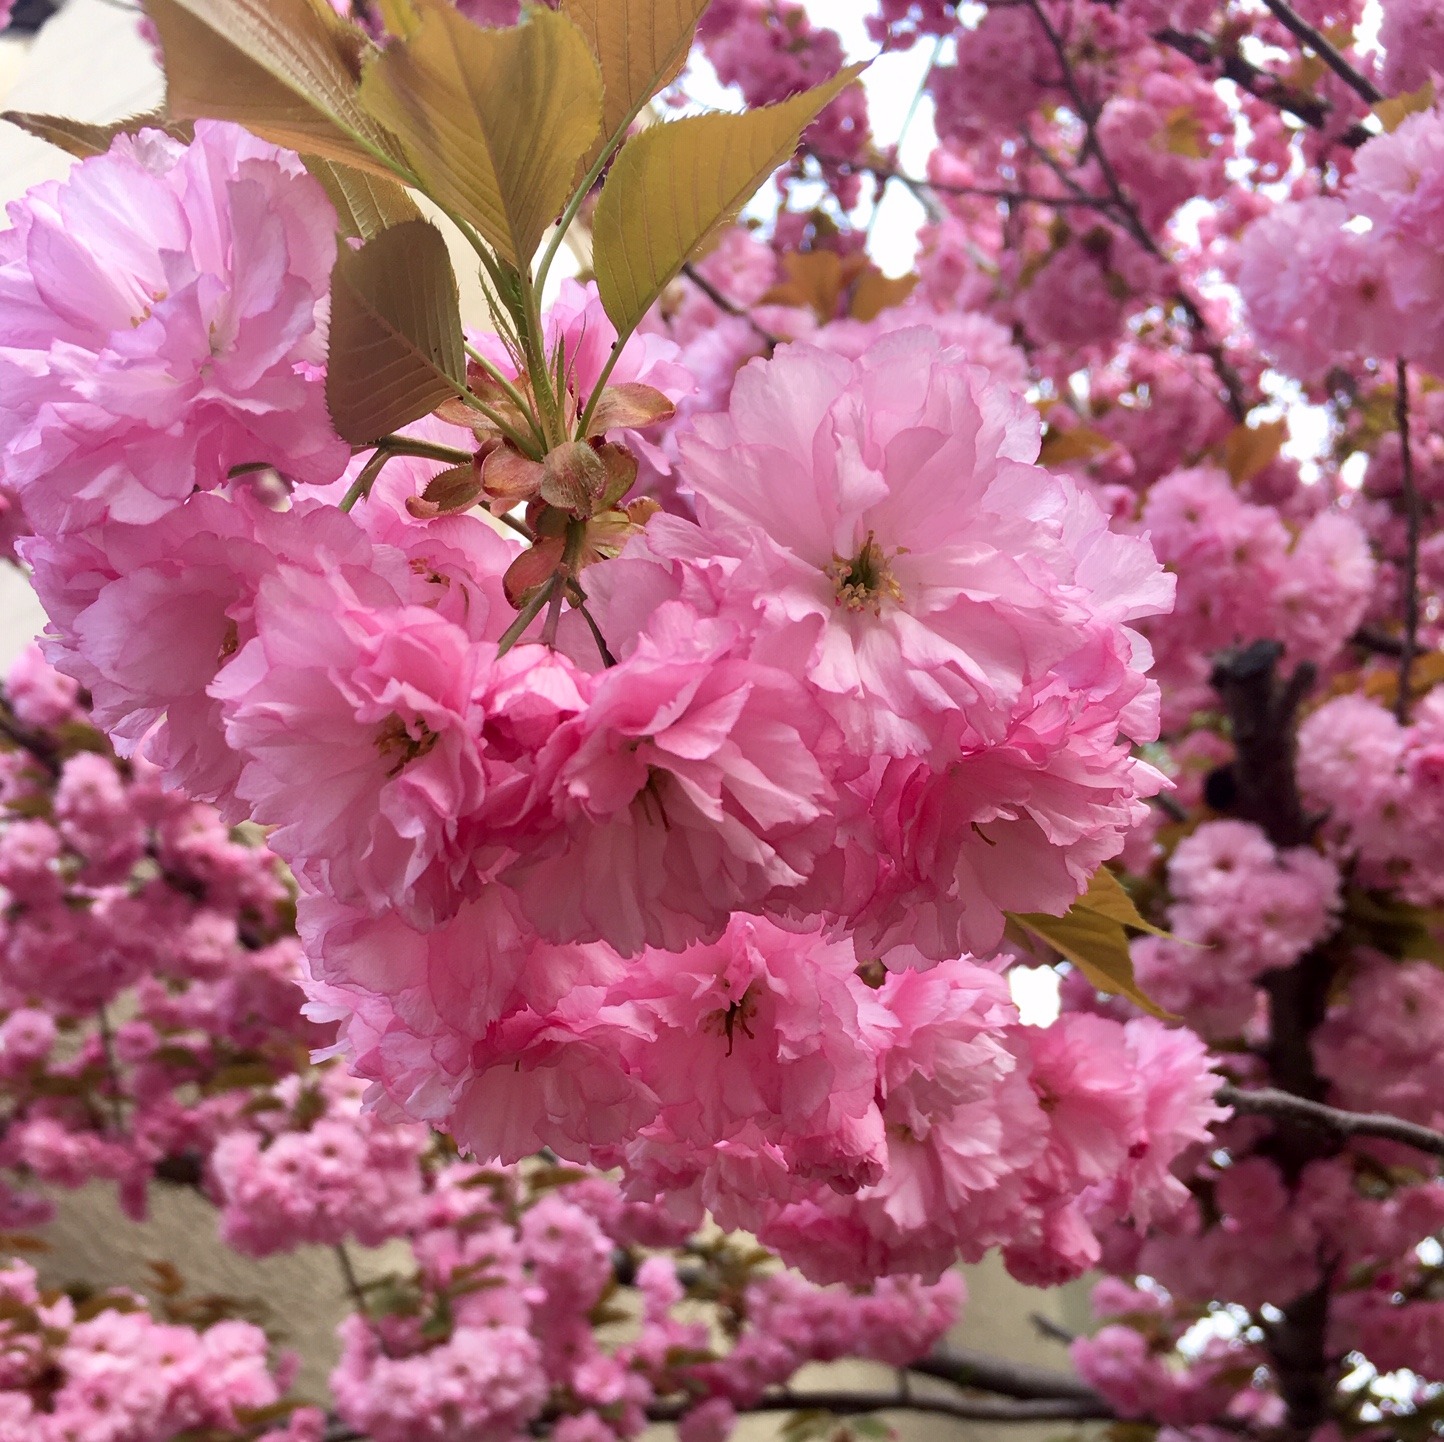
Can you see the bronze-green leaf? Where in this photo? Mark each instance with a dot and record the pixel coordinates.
(400, 18)
(641, 46)
(286, 69)
(458, 488)
(366, 203)
(81, 140)
(574, 477)
(1106, 896)
(396, 344)
(674, 186)
(1092, 936)
(493, 121)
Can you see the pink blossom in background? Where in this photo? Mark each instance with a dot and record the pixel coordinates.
(1412, 34)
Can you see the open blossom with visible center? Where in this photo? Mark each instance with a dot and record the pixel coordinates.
(757, 1049)
(161, 322)
(854, 494)
(353, 713)
(956, 608)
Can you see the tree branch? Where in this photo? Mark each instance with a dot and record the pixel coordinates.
(38, 747)
(1413, 522)
(725, 303)
(1126, 214)
(1370, 638)
(1314, 111)
(1014, 196)
(964, 1367)
(1262, 710)
(1271, 1102)
(1315, 39)
(856, 1404)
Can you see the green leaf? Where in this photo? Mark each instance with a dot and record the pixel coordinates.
(81, 140)
(286, 69)
(400, 17)
(366, 203)
(396, 344)
(673, 187)
(493, 121)
(1093, 937)
(641, 46)
(1106, 896)
(1079, 443)
(458, 488)
(1394, 111)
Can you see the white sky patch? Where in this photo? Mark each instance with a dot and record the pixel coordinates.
(1035, 994)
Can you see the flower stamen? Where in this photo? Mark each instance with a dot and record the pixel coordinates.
(864, 580)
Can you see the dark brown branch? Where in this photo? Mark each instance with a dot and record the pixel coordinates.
(1253, 79)
(1316, 41)
(1413, 524)
(1126, 214)
(1051, 1331)
(964, 1367)
(1262, 710)
(356, 1293)
(1370, 638)
(112, 1068)
(725, 303)
(1270, 1102)
(1298, 1350)
(1012, 195)
(1314, 111)
(33, 743)
(857, 1404)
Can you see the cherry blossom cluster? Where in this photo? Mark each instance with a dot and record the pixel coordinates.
(105, 1367)
(675, 741)
(165, 1046)
(781, 740)
(1354, 273)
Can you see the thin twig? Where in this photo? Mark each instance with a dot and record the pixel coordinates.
(528, 614)
(608, 660)
(357, 1293)
(1371, 638)
(1126, 214)
(426, 450)
(1413, 520)
(520, 527)
(112, 1067)
(912, 114)
(1313, 110)
(728, 305)
(1052, 1331)
(554, 614)
(360, 488)
(1271, 1102)
(981, 192)
(1318, 42)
